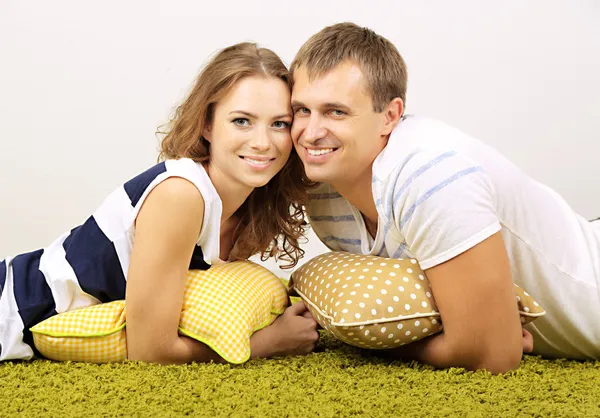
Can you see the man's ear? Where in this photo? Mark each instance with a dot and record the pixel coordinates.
(206, 134)
(392, 114)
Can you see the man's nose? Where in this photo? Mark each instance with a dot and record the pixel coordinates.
(314, 130)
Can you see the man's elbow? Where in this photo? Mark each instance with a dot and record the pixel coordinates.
(499, 366)
(498, 361)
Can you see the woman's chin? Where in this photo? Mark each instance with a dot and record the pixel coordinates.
(256, 183)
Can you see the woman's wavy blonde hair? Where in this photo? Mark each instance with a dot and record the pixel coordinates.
(272, 216)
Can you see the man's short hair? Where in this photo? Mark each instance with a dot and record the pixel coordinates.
(380, 62)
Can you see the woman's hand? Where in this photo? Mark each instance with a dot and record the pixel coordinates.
(292, 333)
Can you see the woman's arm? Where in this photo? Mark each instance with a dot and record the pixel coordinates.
(476, 300)
(167, 228)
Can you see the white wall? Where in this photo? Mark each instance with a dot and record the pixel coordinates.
(83, 85)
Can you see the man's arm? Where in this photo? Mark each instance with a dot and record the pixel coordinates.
(475, 297)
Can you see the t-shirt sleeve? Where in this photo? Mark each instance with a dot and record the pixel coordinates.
(332, 220)
(443, 205)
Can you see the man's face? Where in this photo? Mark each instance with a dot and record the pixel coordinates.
(335, 131)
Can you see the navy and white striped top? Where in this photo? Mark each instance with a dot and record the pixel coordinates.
(89, 264)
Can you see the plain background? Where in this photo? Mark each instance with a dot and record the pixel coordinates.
(84, 85)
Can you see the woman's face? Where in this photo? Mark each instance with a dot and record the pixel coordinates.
(250, 131)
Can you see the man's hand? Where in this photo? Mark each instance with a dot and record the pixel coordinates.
(527, 341)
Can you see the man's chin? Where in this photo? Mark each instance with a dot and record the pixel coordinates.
(318, 175)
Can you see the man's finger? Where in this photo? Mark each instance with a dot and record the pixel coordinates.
(527, 341)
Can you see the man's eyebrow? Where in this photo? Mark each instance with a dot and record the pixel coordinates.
(335, 105)
(328, 105)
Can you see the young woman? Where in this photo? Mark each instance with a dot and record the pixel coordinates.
(229, 186)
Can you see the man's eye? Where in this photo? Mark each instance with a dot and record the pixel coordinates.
(280, 124)
(241, 122)
(336, 112)
(303, 111)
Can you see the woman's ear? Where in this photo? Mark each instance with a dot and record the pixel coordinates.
(206, 133)
(392, 114)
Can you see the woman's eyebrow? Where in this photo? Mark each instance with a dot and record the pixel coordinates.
(252, 115)
(243, 112)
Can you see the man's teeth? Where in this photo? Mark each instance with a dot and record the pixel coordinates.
(259, 162)
(320, 151)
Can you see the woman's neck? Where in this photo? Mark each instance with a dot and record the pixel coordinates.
(233, 194)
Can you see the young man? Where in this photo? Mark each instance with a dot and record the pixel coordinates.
(405, 186)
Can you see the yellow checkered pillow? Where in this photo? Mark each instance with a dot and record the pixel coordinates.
(222, 307)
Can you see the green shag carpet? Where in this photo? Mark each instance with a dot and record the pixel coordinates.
(335, 381)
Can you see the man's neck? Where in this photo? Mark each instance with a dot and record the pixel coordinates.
(359, 193)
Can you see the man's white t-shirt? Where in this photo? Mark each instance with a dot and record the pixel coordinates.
(439, 192)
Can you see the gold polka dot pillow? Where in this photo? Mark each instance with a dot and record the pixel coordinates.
(375, 302)
(222, 307)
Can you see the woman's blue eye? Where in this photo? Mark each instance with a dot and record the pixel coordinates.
(241, 122)
(281, 124)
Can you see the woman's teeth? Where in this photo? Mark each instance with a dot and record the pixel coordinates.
(258, 162)
(320, 151)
